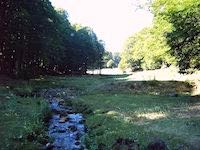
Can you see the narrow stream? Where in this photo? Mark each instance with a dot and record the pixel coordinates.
(66, 128)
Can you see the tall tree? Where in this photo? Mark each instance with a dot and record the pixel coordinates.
(37, 39)
(146, 49)
(183, 16)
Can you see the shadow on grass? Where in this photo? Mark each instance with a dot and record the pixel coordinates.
(106, 129)
(104, 83)
(139, 110)
(142, 124)
(170, 88)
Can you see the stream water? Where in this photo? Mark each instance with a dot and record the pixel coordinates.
(66, 128)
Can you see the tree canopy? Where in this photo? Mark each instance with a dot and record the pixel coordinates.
(39, 40)
(173, 39)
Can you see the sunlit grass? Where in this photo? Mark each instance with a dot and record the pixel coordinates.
(152, 116)
(124, 109)
(139, 117)
(118, 108)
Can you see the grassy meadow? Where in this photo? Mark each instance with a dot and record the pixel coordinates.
(140, 110)
(114, 107)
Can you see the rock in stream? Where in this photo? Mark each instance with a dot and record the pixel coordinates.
(65, 127)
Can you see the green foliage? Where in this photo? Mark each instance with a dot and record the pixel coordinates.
(183, 38)
(40, 40)
(116, 58)
(172, 39)
(147, 50)
(90, 48)
(106, 57)
(111, 60)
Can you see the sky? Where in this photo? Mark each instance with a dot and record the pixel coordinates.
(112, 20)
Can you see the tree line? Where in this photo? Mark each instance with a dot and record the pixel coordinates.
(173, 38)
(111, 60)
(38, 40)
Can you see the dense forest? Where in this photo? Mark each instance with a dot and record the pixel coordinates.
(38, 40)
(173, 38)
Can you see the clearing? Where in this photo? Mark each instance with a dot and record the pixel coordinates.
(115, 107)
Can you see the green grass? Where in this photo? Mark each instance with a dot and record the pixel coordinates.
(138, 110)
(114, 106)
(21, 120)
(140, 117)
